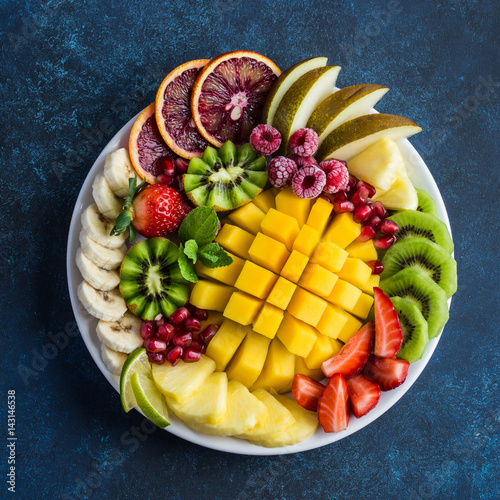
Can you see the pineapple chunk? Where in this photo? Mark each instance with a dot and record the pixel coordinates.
(400, 196)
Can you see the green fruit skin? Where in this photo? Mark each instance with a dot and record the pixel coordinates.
(426, 203)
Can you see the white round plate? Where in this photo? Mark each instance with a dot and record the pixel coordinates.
(421, 177)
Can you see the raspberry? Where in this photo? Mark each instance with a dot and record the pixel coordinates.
(303, 161)
(308, 182)
(265, 139)
(304, 142)
(337, 175)
(281, 172)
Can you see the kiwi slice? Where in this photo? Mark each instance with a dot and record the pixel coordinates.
(414, 326)
(150, 279)
(414, 224)
(415, 285)
(426, 203)
(225, 178)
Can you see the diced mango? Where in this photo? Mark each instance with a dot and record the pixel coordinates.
(255, 280)
(248, 217)
(321, 351)
(235, 240)
(281, 227)
(344, 294)
(364, 250)
(318, 280)
(287, 202)
(226, 274)
(265, 200)
(320, 215)
(268, 320)
(350, 328)
(297, 336)
(355, 271)
(294, 266)
(268, 252)
(282, 293)
(214, 318)
(208, 295)
(249, 359)
(363, 306)
(307, 240)
(330, 256)
(301, 367)
(332, 321)
(373, 280)
(307, 307)
(242, 308)
(226, 341)
(343, 230)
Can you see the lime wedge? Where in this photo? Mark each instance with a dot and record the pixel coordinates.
(150, 399)
(137, 362)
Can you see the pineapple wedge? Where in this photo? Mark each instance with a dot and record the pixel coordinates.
(178, 383)
(244, 411)
(401, 196)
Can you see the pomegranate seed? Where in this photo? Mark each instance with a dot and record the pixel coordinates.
(360, 197)
(362, 212)
(379, 209)
(198, 346)
(352, 182)
(388, 227)
(192, 324)
(374, 221)
(384, 242)
(160, 320)
(156, 357)
(367, 233)
(343, 206)
(340, 196)
(376, 265)
(178, 317)
(190, 355)
(168, 166)
(208, 333)
(164, 179)
(155, 345)
(183, 339)
(174, 354)
(325, 197)
(147, 329)
(201, 314)
(371, 189)
(181, 166)
(166, 332)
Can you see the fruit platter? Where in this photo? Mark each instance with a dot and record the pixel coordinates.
(259, 261)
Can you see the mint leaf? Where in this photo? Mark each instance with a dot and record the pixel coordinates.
(199, 225)
(191, 249)
(213, 255)
(186, 266)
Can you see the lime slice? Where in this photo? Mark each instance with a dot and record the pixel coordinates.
(150, 399)
(137, 362)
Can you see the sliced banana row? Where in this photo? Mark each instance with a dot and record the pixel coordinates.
(107, 258)
(122, 335)
(105, 305)
(112, 359)
(118, 170)
(96, 276)
(106, 200)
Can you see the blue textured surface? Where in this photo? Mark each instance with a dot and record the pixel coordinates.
(74, 72)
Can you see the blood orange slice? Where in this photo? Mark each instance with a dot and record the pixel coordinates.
(173, 110)
(229, 95)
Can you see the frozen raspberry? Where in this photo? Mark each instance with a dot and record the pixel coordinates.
(304, 142)
(281, 172)
(303, 161)
(308, 182)
(337, 175)
(265, 139)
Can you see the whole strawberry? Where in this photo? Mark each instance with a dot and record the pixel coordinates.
(156, 210)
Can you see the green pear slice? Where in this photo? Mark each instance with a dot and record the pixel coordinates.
(344, 105)
(354, 136)
(284, 82)
(301, 100)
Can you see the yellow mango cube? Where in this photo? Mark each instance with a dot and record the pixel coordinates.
(235, 240)
(255, 280)
(287, 202)
(307, 307)
(226, 274)
(363, 306)
(343, 230)
(355, 271)
(320, 215)
(294, 266)
(373, 280)
(321, 351)
(332, 321)
(364, 250)
(226, 341)
(265, 200)
(209, 295)
(297, 336)
(318, 280)
(350, 328)
(248, 217)
(282, 293)
(307, 240)
(330, 256)
(242, 308)
(249, 359)
(344, 294)
(281, 227)
(301, 367)
(268, 252)
(268, 320)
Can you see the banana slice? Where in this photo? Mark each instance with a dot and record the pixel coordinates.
(122, 335)
(107, 258)
(118, 170)
(97, 277)
(107, 202)
(98, 228)
(112, 359)
(108, 306)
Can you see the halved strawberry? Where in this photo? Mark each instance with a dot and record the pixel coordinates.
(388, 373)
(364, 394)
(388, 333)
(333, 405)
(349, 361)
(307, 391)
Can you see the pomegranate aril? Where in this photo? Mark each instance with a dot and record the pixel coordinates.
(157, 358)
(196, 312)
(160, 320)
(198, 346)
(168, 166)
(371, 189)
(376, 266)
(174, 354)
(190, 355)
(362, 212)
(178, 317)
(183, 339)
(340, 196)
(367, 233)
(181, 166)
(379, 209)
(178, 184)
(352, 183)
(166, 332)
(360, 197)
(374, 221)
(164, 179)
(147, 329)
(192, 324)
(388, 227)
(325, 197)
(384, 242)
(343, 206)
(208, 333)
(155, 345)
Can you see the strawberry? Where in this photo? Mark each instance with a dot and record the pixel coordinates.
(388, 333)
(364, 394)
(156, 210)
(333, 405)
(388, 373)
(351, 359)
(307, 391)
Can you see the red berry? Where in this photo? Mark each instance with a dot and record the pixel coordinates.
(147, 329)
(281, 172)
(333, 405)
(388, 332)
(308, 182)
(337, 175)
(174, 354)
(208, 333)
(155, 345)
(303, 161)
(304, 142)
(307, 391)
(364, 394)
(384, 242)
(388, 373)
(179, 316)
(367, 233)
(388, 227)
(265, 140)
(376, 266)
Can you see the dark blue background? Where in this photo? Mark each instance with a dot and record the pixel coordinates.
(73, 72)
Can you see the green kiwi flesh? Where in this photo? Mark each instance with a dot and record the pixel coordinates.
(426, 203)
